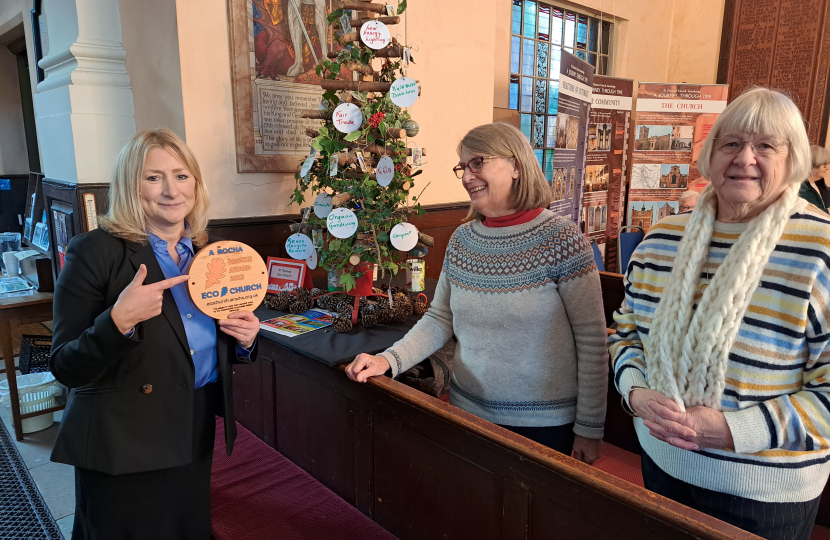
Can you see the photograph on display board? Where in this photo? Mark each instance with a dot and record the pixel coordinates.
(599, 137)
(645, 176)
(644, 214)
(674, 176)
(562, 120)
(653, 138)
(596, 178)
(682, 138)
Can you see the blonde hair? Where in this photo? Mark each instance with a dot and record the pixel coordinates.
(530, 190)
(768, 112)
(125, 218)
(820, 156)
(688, 348)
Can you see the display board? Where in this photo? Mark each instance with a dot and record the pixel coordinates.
(781, 44)
(603, 202)
(576, 82)
(672, 121)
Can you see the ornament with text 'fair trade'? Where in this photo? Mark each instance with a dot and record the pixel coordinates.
(347, 117)
(322, 205)
(298, 246)
(404, 236)
(226, 277)
(404, 92)
(385, 171)
(342, 223)
(375, 35)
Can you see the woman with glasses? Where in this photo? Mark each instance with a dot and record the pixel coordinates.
(721, 351)
(520, 291)
(814, 190)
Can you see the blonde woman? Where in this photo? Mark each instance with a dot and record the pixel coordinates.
(722, 347)
(815, 190)
(148, 370)
(520, 291)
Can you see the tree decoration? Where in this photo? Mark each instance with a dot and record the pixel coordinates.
(411, 127)
(361, 124)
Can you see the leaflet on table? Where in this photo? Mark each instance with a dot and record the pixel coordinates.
(302, 323)
(15, 286)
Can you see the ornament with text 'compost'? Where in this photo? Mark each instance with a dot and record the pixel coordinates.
(322, 205)
(404, 92)
(309, 161)
(298, 246)
(385, 171)
(226, 277)
(311, 260)
(404, 236)
(347, 117)
(375, 35)
(342, 222)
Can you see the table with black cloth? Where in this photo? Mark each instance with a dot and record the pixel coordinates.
(332, 349)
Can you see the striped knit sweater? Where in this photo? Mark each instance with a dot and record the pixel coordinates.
(777, 395)
(524, 302)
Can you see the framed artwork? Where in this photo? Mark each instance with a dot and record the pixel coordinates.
(275, 47)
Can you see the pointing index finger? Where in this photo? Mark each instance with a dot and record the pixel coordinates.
(167, 283)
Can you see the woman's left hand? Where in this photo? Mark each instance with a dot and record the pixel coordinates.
(699, 427)
(242, 325)
(587, 450)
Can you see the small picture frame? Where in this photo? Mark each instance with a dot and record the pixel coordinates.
(333, 165)
(417, 156)
(41, 236)
(361, 161)
(390, 11)
(345, 23)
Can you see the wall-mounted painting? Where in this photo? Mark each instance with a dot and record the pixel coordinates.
(275, 48)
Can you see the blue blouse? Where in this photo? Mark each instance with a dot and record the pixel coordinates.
(200, 329)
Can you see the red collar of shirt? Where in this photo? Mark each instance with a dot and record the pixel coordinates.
(518, 218)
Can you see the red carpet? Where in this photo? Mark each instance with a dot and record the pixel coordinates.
(257, 493)
(620, 463)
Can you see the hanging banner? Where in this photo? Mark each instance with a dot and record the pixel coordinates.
(603, 202)
(576, 81)
(672, 122)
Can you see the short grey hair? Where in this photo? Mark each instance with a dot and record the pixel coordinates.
(821, 156)
(688, 196)
(767, 112)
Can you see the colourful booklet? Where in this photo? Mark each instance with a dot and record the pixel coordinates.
(302, 323)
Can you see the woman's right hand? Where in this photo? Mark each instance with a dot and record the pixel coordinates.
(366, 365)
(138, 302)
(644, 402)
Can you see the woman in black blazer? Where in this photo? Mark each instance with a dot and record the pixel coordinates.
(148, 371)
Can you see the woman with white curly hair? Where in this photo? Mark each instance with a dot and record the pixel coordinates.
(722, 349)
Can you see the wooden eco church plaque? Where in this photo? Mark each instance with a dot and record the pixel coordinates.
(226, 277)
(780, 44)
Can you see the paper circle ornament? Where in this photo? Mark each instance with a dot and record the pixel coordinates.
(322, 205)
(385, 171)
(404, 236)
(342, 223)
(311, 260)
(298, 246)
(375, 35)
(404, 92)
(347, 117)
(226, 277)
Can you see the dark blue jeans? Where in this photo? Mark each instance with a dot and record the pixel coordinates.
(774, 521)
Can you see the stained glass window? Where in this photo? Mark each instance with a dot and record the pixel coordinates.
(539, 33)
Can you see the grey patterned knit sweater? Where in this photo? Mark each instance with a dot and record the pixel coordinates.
(524, 302)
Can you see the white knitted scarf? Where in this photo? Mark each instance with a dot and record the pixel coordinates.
(687, 350)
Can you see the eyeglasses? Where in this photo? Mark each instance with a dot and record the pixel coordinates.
(763, 146)
(475, 165)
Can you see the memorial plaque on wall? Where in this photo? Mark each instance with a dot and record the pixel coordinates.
(780, 44)
(275, 47)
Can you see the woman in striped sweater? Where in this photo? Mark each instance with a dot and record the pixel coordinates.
(721, 351)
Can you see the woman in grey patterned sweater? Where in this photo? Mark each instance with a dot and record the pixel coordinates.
(520, 291)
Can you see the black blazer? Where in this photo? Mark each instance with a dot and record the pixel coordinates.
(111, 423)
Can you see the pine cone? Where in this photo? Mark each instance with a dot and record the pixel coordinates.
(420, 307)
(376, 290)
(278, 301)
(298, 305)
(342, 325)
(384, 315)
(345, 313)
(315, 292)
(369, 320)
